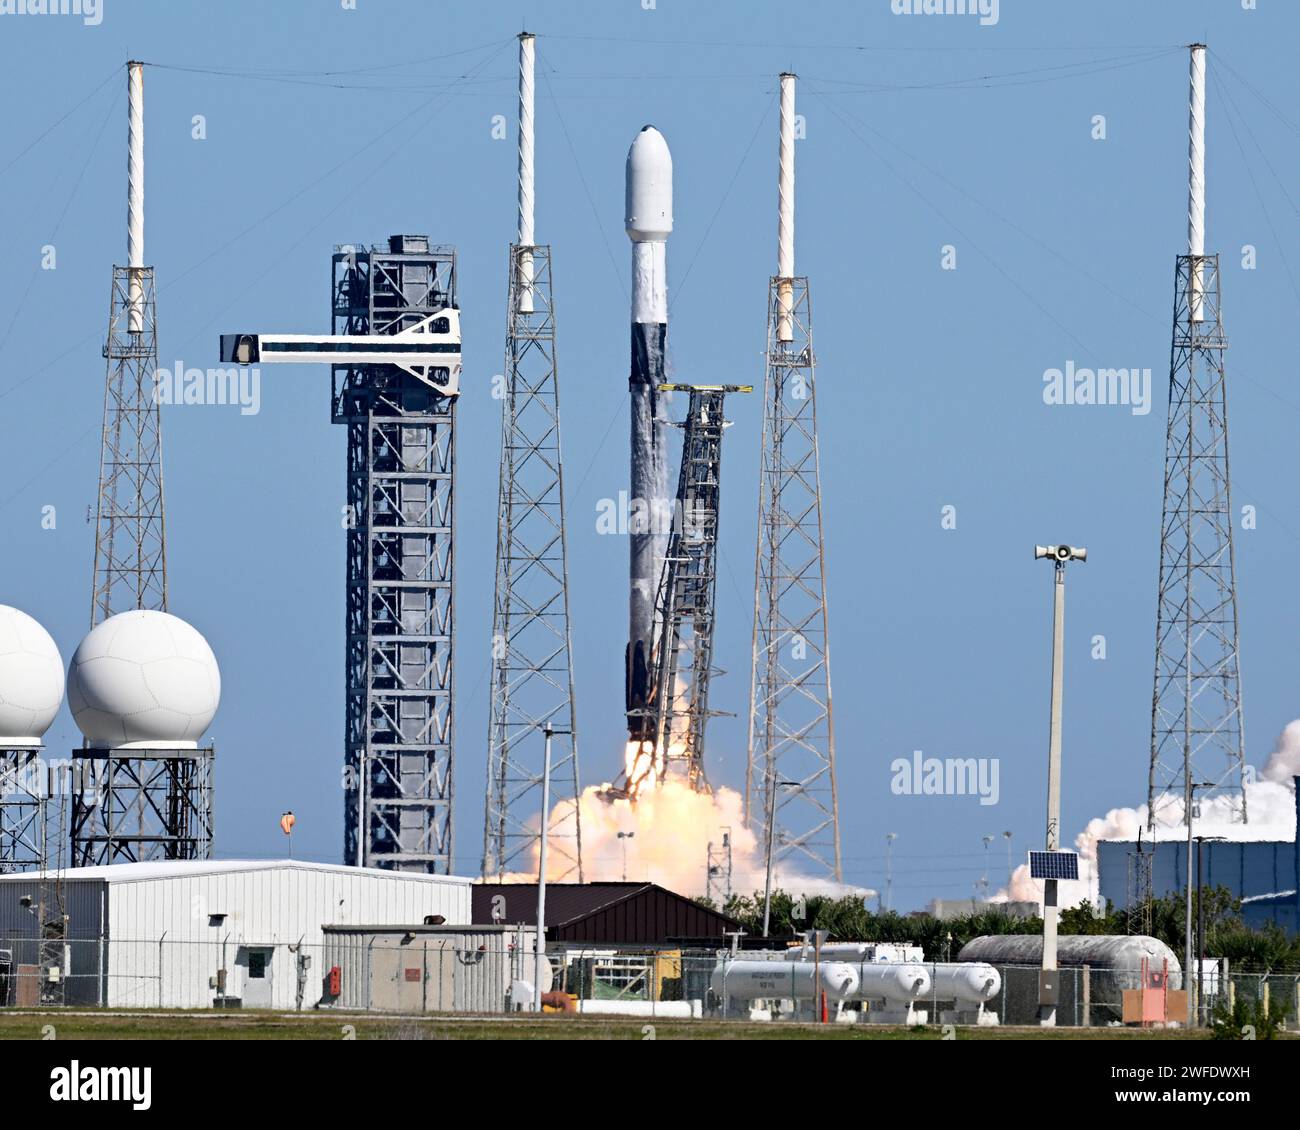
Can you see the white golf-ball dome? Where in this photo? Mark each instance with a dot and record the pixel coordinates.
(143, 680)
(31, 679)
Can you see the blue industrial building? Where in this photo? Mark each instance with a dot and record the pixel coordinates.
(1264, 874)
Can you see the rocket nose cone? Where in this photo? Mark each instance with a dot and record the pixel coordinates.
(649, 213)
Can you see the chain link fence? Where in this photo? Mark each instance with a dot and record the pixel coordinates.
(471, 973)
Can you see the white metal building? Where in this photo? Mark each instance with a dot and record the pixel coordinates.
(156, 934)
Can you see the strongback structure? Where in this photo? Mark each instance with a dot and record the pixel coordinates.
(1197, 739)
(532, 667)
(685, 607)
(144, 804)
(791, 749)
(401, 459)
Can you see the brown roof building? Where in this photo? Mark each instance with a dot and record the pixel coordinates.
(602, 913)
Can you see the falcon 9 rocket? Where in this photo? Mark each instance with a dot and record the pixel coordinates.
(649, 221)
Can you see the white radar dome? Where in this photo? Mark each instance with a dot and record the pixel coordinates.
(31, 679)
(143, 680)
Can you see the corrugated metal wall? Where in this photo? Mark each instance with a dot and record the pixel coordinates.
(160, 950)
(432, 970)
(267, 909)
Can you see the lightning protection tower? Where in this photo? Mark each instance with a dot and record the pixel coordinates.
(532, 666)
(1196, 717)
(130, 546)
(134, 805)
(791, 730)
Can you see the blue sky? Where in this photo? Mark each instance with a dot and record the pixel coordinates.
(921, 132)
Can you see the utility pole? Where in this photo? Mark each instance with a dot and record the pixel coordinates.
(1048, 987)
(890, 837)
(623, 838)
(539, 943)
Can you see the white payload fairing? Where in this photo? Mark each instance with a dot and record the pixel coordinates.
(649, 222)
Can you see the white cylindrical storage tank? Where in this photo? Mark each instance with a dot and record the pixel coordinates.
(784, 980)
(968, 981)
(143, 680)
(852, 952)
(668, 1010)
(897, 983)
(31, 680)
(1122, 955)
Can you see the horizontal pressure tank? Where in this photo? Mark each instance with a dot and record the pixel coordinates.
(1109, 953)
(855, 952)
(965, 981)
(784, 980)
(897, 983)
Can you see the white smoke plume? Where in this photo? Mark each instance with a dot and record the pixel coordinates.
(667, 831)
(1270, 804)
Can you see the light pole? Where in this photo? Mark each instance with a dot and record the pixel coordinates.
(773, 785)
(1011, 867)
(1047, 989)
(1189, 815)
(623, 838)
(1200, 926)
(539, 941)
(985, 881)
(890, 837)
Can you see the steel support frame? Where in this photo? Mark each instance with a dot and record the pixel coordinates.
(1197, 732)
(22, 810)
(791, 747)
(400, 608)
(532, 665)
(139, 806)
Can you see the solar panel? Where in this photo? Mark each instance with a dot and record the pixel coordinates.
(1053, 865)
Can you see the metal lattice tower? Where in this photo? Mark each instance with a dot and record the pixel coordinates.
(791, 764)
(130, 544)
(401, 461)
(685, 606)
(22, 810)
(1197, 738)
(532, 666)
(791, 733)
(1196, 716)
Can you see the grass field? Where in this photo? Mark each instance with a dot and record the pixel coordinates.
(253, 1025)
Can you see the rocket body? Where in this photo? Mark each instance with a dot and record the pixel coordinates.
(649, 221)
